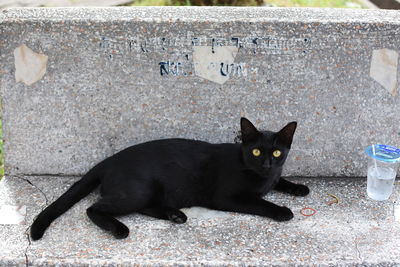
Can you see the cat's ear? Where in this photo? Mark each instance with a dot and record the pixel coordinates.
(249, 132)
(285, 135)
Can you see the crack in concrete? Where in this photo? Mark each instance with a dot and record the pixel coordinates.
(27, 247)
(358, 250)
(396, 211)
(46, 175)
(356, 245)
(29, 226)
(40, 190)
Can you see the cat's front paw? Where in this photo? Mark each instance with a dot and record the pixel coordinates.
(301, 190)
(282, 214)
(177, 217)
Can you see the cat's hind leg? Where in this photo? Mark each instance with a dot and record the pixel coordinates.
(102, 214)
(165, 213)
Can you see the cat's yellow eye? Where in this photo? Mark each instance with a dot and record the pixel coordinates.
(276, 153)
(256, 152)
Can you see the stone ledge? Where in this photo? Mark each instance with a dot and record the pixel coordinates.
(357, 231)
(199, 14)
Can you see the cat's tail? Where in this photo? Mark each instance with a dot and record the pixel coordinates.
(75, 193)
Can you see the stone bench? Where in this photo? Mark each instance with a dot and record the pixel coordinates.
(80, 84)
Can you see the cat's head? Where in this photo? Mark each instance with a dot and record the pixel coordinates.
(264, 151)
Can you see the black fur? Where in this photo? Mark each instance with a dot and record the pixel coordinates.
(160, 177)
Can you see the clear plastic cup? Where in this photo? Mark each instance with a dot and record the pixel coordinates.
(382, 169)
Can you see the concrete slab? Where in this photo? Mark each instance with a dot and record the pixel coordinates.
(61, 3)
(356, 231)
(120, 76)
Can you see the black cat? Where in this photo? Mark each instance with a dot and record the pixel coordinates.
(160, 177)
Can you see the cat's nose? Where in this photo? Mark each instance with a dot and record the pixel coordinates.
(267, 164)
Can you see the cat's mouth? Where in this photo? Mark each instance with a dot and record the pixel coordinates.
(265, 171)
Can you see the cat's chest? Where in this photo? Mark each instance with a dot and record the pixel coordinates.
(260, 184)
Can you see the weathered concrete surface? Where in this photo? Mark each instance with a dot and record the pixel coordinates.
(120, 76)
(64, 3)
(355, 232)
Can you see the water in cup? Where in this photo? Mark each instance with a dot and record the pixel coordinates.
(380, 182)
(382, 168)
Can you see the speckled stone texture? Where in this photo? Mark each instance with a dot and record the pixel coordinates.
(355, 232)
(120, 76)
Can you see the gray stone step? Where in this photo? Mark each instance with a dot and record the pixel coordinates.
(356, 231)
(80, 84)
